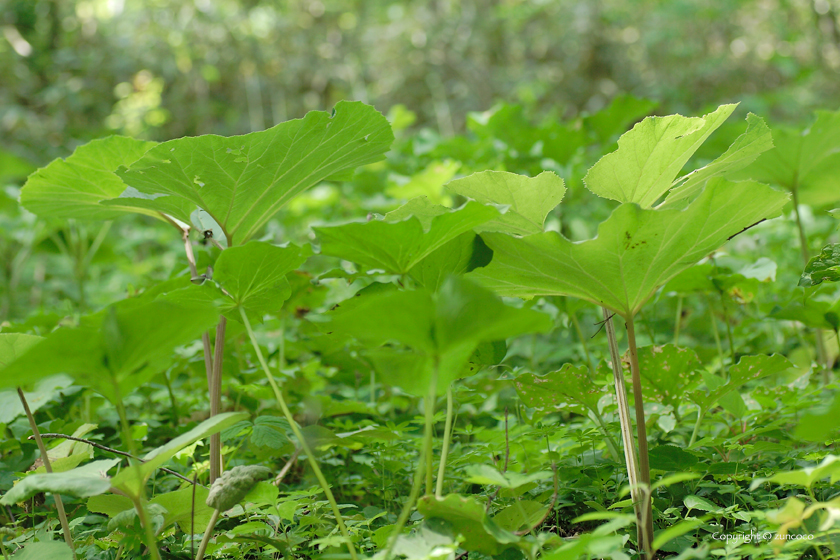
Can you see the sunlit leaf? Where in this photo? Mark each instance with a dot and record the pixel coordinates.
(636, 251)
(550, 391)
(468, 518)
(825, 267)
(651, 155)
(242, 181)
(74, 187)
(81, 482)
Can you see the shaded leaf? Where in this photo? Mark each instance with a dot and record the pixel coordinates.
(467, 517)
(81, 482)
(550, 391)
(829, 467)
(747, 369)
(670, 371)
(825, 267)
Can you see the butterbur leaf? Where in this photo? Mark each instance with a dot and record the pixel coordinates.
(529, 200)
(756, 140)
(128, 480)
(446, 326)
(242, 181)
(803, 160)
(651, 155)
(14, 345)
(405, 237)
(254, 276)
(467, 517)
(123, 344)
(670, 371)
(234, 484)
(74, 187)
(825, 267)
(748, 368)
(570, 383)
(636, 251)
(81, 482)
(54, 550)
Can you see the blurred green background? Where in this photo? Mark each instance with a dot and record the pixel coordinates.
(72, 70)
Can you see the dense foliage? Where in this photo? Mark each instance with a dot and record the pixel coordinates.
(247, 306)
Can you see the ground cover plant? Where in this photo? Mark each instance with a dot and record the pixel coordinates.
(611, 337)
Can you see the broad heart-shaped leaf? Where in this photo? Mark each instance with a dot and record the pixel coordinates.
(529, 199)
(254, 276)
(669, 371)
(122, 344)
(468, 518)
(54, 550)
(405, 237)
(829, 467)
(549, 391)
(651, 155)
(756, 140)
(128, 480)
(747, 369)
(74, 187)
(636, 251)
(242, 181)
(804, 161)
(14, 345)
(81, 482)
(444, 327)
(825, 267)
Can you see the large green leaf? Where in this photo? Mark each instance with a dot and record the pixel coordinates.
(529, 199)
(405, 237)
(570, 383)
(446, 326)
(804, 160)
(74, 187)
(651, 155)
(460, 255)
(829, 467)
(242, 181)
(636, 251)
(123, 344)
(14, 345)
(254, 276)
(54, 550)
(128, 480)
(81, 482)
(467, 517)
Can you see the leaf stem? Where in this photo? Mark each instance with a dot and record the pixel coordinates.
(678, 321)
(151, 540)
(429, 416)
(612, 446)
(208, 533)
(626, 425)
(576, 323)
(216, 399)
(418, 474)
(641, 436)
(205, 337)
(299, 435)
(700, 415)
(59, 504)
(447, 437)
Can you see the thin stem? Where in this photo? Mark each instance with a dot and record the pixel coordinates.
(612, 446)
(641, 435)
(822, 352)
(214, 517)
(3, 549)
(716, 334)
(299, 435)
(418, 474)
(700, 415)
(59, 505)
(205, 337)
(429, 416)
(678, 321)
(582, 339)
(447, 437)
(151, 540)
(626, 426)
(216, 399)
(728, 327)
